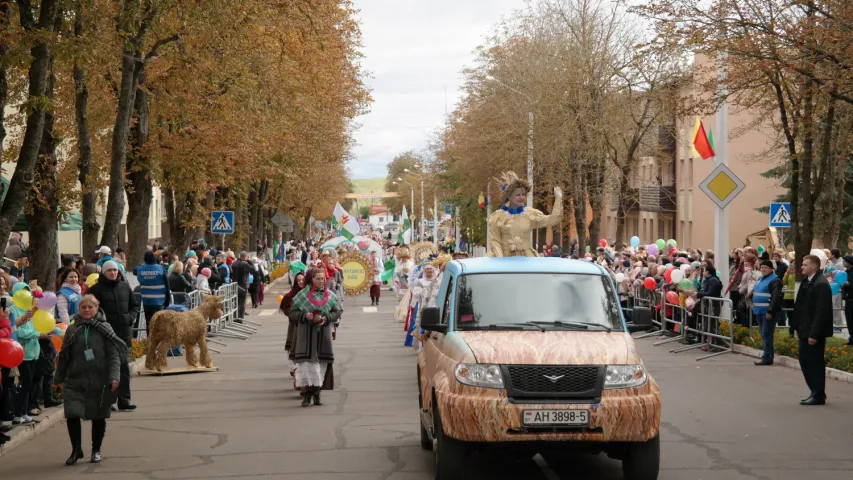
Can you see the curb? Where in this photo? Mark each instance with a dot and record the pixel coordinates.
(789, 362)
(49, 418)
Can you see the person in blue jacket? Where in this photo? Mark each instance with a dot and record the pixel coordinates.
(154, 286)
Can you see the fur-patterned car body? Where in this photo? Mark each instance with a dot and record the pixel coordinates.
(534, 363)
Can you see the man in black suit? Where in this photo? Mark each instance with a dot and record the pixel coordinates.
(812, 320)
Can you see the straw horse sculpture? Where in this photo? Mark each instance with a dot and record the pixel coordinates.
(170, 328)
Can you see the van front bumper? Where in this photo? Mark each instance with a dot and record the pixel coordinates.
(486, 415)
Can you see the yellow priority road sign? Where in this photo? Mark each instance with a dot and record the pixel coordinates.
(722, 186)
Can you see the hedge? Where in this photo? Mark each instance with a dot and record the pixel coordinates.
(839, 355)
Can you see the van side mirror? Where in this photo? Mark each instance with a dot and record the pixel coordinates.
(642, 320)
(430, 320)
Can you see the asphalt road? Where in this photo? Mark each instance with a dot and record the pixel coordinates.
(723, 418)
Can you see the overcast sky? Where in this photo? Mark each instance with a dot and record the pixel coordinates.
(414, 49)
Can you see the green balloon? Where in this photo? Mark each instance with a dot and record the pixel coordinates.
(672, 242)
(587, 249)
(760, 249)
(660, 243)
(685, 284)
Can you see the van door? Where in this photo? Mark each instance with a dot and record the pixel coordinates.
(432, 345)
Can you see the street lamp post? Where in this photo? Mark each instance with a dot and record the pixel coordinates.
(423, 218)
(412, 192)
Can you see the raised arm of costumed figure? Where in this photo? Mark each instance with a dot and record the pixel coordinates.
(540, 220)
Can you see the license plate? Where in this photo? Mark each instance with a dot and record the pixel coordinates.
(556, 417)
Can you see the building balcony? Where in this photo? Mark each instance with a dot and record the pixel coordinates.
(649, 198)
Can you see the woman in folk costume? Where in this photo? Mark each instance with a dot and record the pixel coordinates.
(510, 226)
(286, 304)
(414, 276)
(424, 293)
(376, 288)
(317, 312)
(401, 279)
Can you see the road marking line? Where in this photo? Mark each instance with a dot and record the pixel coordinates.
(266, 313)
(546, 470)
(370, 309)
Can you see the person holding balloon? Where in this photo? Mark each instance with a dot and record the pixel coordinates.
(23, 310)
(45, 323)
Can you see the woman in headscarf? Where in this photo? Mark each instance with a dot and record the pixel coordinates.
(423, 295)
(317, 311)
(89, 368)
(286, 305)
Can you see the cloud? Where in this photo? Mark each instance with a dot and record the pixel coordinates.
(415, 50)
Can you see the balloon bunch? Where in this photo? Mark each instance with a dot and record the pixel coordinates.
(838, 280)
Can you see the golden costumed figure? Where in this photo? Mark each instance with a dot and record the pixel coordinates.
(510, 226)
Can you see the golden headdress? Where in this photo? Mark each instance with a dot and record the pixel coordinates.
(509, 182)
(441, 261)
(402, 251)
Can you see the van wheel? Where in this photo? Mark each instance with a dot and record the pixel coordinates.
(449, 454)
(642, 460)
(426, 443)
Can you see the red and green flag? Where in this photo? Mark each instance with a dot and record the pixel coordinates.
(702, 146)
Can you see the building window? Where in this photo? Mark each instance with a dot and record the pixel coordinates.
(690, 172)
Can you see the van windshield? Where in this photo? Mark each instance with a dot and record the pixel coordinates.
(493, 300)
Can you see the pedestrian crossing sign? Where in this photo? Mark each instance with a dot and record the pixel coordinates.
(222, 222)
(780, 214)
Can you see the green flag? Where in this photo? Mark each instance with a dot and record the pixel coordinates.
(711, 139)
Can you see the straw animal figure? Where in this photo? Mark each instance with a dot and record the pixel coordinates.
(170, 329)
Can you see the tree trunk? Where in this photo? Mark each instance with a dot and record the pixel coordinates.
(139, 188)
(805, 232)
(171, 218)
(84, 148)
(43, 212)
(596, 201)
(22, 179)
(5, 23)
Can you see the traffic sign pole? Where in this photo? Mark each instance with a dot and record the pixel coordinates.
(721, 215)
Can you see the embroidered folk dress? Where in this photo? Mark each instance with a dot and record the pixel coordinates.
(510, 229)
(312, 350)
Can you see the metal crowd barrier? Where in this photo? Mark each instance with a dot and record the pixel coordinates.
(678, 325)
(711, 312)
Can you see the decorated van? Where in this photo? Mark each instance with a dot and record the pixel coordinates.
(534, 355)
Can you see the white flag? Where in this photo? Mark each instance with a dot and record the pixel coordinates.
(405, 234)
(347, 223)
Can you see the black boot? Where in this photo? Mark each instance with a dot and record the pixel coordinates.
(317, 398)
(306, 399)
(99, 428)
(74, 433)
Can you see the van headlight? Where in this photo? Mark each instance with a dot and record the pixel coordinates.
(477, 375)
(625, 376)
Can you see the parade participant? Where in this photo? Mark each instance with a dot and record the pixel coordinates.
(510, 226)
(401, 270)
(89, 369)
(378, 267)
(424, 292)
(317, 311)
(286, 305)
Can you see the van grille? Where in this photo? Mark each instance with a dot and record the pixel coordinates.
(531, 381)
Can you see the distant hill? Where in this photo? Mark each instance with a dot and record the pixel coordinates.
(369, 185)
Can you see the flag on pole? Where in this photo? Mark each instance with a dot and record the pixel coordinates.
(701, 146)
(711, 139)
(349, 225)
(481, 201)
(405, 233)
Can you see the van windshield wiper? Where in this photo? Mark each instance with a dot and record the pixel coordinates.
(502, 326)
(583, 325)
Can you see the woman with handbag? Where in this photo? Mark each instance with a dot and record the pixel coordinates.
(89, 369)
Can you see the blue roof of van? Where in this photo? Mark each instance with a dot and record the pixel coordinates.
(525, 265)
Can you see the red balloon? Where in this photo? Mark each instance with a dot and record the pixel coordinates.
(672, 298)
(11, 353)
(650, 283)
(602, 242)
(668, 274)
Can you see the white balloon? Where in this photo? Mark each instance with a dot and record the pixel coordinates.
(620, 277)
(677, 276)
(685, 267)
